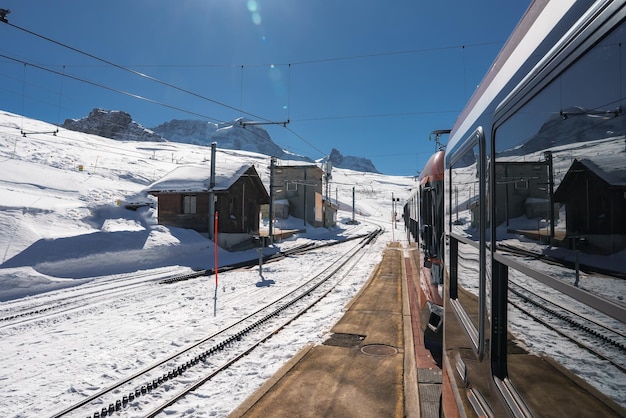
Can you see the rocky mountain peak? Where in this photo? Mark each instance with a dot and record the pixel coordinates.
(351, 162)
(230, 135)
(113, 124)
(237, 134)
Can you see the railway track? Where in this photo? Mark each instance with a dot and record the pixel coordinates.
(586, 268)
(97, 292)
(85, 295)
(193, 366)
(604, 341)
(300, 249)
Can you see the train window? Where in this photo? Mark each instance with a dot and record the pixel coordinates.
(561, 239)
(467, 223)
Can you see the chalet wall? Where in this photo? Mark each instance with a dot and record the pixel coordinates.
(170, 208)
(238, 210)
(594, 209)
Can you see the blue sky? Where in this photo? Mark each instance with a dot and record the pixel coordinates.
(370, 78)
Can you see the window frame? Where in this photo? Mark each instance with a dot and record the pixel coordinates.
(189, 204)
(476, 334)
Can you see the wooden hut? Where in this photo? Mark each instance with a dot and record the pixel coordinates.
(184, 197)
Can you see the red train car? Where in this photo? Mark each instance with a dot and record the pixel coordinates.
(430, 197)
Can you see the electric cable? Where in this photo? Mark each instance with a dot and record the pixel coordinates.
(241, 111)
(93, 83)
(137, 73)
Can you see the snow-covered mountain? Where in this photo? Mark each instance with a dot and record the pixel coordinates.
(350, 162)
(236, 135)
(572, 125)
(112, 124)
(229, 135)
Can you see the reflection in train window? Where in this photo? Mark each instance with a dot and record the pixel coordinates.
(466, 258)
(560, 189)
(560, 171)
(465, 195)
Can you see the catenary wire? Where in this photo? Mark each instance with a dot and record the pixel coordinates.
(146, 76)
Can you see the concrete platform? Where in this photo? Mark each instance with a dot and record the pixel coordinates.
(367, 368)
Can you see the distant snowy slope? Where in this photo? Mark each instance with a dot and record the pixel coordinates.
(63, 197)
(573, 125)
(236, 135)
(229, 135)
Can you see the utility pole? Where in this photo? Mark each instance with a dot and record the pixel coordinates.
(548, 155)
(328, 176)
(271, 214)
(212, 194)
(393, 211)
(353, 206)
(304, 192)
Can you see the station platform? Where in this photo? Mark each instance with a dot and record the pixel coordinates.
(374, 363)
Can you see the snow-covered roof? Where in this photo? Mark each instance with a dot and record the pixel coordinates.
(197, 178)
(610, 168)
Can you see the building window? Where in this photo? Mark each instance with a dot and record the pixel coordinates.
(292, 187)
(189, 204)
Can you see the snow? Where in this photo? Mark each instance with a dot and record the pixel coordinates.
(67, 235)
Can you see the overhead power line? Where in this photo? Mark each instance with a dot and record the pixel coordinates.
(379, 115)
(312, 61)
(306, 142)
(383, 54)
(241, 111)
(137, 73)
(93, 83)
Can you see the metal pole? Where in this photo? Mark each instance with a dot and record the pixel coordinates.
(260, 251)
(212, 194)
(215, 267)
(393, 217)
(271, 209)
(456, 202)
(577, 263)
(216, 248)
(353, 204)
(548, 155)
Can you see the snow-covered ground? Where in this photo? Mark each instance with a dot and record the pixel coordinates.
(64, 231)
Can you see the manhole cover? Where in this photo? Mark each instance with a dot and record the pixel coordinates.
(379, 350)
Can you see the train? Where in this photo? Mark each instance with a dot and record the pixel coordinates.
(520, 224)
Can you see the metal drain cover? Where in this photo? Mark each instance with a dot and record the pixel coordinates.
(379, 350)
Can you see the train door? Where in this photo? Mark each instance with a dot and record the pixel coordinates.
(432, 229)
(466, 329)
(427, 211)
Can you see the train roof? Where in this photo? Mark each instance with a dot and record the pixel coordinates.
(434, 168)
(535, 26)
